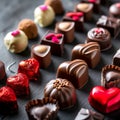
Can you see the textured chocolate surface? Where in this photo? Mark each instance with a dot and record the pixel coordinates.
(63, 91)
(42, 54)
(110, 23)
(90, 52)
(110, 76)
(75, 71)
(101, 36)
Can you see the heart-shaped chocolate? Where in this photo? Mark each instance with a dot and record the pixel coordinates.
(108, 99)
(19, 83)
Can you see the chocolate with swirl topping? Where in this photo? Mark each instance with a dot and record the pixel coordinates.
(110, 76)
(101, 36)
(75, 71)
(90, 52)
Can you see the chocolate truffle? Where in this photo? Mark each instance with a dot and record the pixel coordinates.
(2, 72)
(89, 52)
(101, 36)
(114, 10)
(16, 41)
(75, 71)
(63, 91)
(56, 5)
(67, 29)
(105, 100)
(77, 18)
(116, 58)
(110, 76)
(42, 54)
(30, 67)
(55, 41)
(42, 109)
(8, 101)
(96, 4)
(109, 23)
(19, 83)
(86, 114)
(44, 15)
(86, 8)
(29, 28)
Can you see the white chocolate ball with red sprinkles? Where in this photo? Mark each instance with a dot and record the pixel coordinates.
(16, 41)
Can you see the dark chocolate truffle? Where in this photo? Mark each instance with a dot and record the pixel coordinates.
(2, 72)
(110, 76)
(101, 36)
(77, 18)
(56, 5)
(67, 29)
(29, 28)
(109, 23)
(42, 54)
(42, 109)
(86, 8)
(86, 114)
(63, 91)
(55, 41)
(75, 71)
(90, 52)
(114, 10)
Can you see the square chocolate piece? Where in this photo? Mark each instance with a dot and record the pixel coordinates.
(110, 23)
(86, 8)
(96, 4)
(55, 40)
(77, 17)
(66, 28)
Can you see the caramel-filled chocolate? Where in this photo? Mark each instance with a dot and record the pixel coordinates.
(66, 28)
(42, 54)
(89, 52)
(77, 18)
(110, 76)
(75, 71)
(55, 41)
(86, 8)
(101, 36)
(63, 91)
(109, 23)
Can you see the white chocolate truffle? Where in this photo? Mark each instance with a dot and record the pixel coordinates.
(44, 15)
(16, 41)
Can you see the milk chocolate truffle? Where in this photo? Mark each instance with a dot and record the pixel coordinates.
(42, 54)
(114, 10)
(56, 5)
(29, 28)
(116, 58)
(77, 18)
(110, 76)
(42, 109)
(44, 15)
(55, 41)
(101, 36)
(63, 91)
(75, 71)
(16, 41)
(89, 52)
(86, 114)
(109, 23)
(67, 29)
(2, 72)
(96, 4)
(86, 8)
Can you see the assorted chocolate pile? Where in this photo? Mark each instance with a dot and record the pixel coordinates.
(60, 93)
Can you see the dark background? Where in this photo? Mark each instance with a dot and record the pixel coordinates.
(11, 12)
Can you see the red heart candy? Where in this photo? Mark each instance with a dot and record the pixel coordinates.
(76, 18)
(59, 36)
(109, 99)
(49, 36)
(70, 14)
(93, 1)
(55, 39)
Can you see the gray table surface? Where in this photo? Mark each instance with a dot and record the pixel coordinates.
(15, 10)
